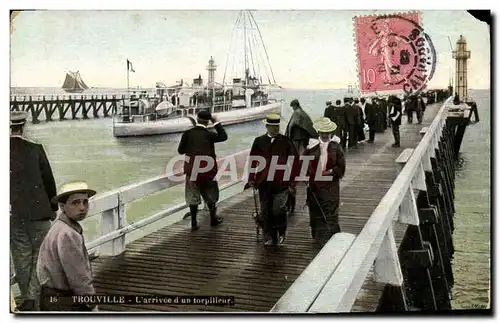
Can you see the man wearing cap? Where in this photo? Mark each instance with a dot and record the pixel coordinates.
(395, 112)
(360, 121)
(200, 166)
(371, 119)
(32, 186)
(274, 183)
(299, 128)
(63, 262)
(351, 116)
(324, 172)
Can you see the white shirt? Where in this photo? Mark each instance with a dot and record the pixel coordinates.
(323, 146)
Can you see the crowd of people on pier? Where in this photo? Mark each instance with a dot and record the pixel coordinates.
(48, 250)
(317, 147)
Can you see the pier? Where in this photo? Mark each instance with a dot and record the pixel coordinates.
(393, 253)
(49, 108)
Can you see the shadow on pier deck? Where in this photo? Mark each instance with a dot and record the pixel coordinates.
(230, 260)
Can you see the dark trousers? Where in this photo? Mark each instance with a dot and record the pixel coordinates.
(419, 113)
(371, 133)
(360, 131)
(352, 135)
(25, 240)
(395, 133)
(342, 134)
(273, 207)
(57, 300)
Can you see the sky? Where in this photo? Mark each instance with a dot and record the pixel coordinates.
(306, 49)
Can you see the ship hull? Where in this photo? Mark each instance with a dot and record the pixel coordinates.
(181, 124)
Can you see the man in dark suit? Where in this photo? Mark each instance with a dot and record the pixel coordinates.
(336, 114)
(200, 166)
(371, 119)
(352, 117)
(395, 112)
(32, 186)
(274, 183)
(360, 122)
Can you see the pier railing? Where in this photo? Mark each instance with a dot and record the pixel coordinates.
(111, 206)
(334, 278)
(332, 281)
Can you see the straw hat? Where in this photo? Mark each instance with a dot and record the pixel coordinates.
(324, 125)
(72, 188)
(272, 119)
(18, 118)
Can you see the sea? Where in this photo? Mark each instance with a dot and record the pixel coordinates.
(86, 150)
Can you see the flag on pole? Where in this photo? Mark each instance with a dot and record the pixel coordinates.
(129, 66)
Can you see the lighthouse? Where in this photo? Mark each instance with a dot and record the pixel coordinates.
(461, 55)
(211, 72)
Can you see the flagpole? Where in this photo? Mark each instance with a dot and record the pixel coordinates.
(128, 94)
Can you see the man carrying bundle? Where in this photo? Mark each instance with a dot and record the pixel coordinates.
(299, 128)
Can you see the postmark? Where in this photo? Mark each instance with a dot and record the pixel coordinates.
(394, 53)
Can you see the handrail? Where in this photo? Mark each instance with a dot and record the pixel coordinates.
(341, 290)
(112, 204)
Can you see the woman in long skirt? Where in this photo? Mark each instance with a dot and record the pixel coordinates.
(325, 171)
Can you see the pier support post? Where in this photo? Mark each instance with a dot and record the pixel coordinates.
(111, 221)
(415, 253)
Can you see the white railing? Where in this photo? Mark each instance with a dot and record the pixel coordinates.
(344, 263)
(112, 205)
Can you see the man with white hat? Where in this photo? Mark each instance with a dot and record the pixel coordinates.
(63, 262)
(32, 186)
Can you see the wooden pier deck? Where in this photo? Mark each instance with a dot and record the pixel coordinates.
(230, 260)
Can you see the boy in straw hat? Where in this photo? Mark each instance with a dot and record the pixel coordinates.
(272, 180)
(325, 170)
(32, 186)
(63, 262)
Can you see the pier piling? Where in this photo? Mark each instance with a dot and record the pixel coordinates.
(45, 108)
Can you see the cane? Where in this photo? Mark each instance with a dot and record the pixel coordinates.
(256, 213)
(319, 207)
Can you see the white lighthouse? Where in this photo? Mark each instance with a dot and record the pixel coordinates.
(211, 72)
(461, 55)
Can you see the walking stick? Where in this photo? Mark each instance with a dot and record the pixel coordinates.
(319, 207)
(256, 213)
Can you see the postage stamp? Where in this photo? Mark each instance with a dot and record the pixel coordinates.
(394, 53)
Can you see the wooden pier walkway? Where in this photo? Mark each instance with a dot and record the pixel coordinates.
(230, 260)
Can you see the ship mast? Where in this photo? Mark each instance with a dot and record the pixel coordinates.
(245, 40)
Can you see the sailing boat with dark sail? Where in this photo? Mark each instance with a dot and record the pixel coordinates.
(74, 83)
(245, 94)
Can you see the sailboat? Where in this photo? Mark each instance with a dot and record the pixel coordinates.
(74, 83)
(242, 96)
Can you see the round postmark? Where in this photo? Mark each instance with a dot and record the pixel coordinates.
(405, 57)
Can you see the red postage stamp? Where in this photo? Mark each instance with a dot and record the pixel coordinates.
(394, 53)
